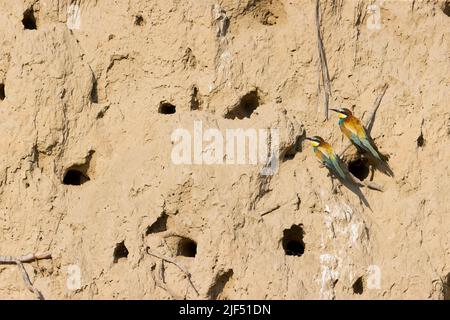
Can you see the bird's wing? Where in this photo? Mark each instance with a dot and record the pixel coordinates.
(337, 167)
(369, 144)
(319, 154)
(357, 127)
(331, 160)
(354, 130)
(358, 134)
(342, 167)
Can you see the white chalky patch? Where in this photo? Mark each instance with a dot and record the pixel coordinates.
(74, 17)
(73, 277)
(373, 277)
(329, 275)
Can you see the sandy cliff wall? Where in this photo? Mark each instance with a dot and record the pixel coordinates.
(92, 97)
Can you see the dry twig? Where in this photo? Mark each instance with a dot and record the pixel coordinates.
(19, 261)
(369, 123)
(373, 185)
(172, 261)
(27, 281)
(262, 214)
(160, 282)
(25, 258)
(323, 63)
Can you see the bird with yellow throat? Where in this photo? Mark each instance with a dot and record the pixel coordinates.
(325, 153)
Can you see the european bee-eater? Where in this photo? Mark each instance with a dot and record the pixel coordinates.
(331, 160)
(352, 128)
(326, 155)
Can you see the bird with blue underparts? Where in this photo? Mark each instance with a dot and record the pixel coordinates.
(353, 129)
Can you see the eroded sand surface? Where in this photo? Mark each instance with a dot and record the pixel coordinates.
(82, 92)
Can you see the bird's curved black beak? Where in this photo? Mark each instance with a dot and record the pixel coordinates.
(335, 110)
(310, 139)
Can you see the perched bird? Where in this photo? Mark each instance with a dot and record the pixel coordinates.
(326, 155)
(352, 128)
(331, 160)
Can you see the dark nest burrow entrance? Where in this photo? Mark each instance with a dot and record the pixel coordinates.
(186, 247)
(139, 20)
(120, 252)
(446, 8)
(160, 225)
(359, 167)
(358, 286)
(246, 106)
(292, 241)
(166, 108)
(2, 92)
(94, 91)
(420, 140)
(292, 150)
(195, 101)
(29, 20)
(75, 176)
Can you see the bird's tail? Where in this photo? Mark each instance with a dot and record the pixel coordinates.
(380, 160)
(347, 176)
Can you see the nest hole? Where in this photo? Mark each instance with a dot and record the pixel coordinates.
(94, 92)
(195, 101)
(420, 140)
(446, 8)
(166, 108)
(292, 242)
(246, 106)
(187, 248)
(120, 252)
(76, 176)
(358, 286)
(2, 91)
(29, 20)
(160, 225)
(294, 149)
(139, 20)
(359, 168)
